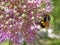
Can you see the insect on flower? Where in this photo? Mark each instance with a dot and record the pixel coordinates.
(45, 22)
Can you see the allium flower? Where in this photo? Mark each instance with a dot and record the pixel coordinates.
(18, 19)
(48, 6)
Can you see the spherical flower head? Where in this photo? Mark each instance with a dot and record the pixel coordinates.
(18, 19)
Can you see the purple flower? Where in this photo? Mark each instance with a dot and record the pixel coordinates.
(48, 6)
(18, 19)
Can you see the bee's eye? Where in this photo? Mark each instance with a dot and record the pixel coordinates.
(49, 18)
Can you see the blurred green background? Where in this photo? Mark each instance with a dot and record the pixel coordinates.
(56, 22)
(56, 15)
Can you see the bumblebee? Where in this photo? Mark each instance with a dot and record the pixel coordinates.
(45, 22)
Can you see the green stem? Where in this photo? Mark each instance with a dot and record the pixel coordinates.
(24, 43)
(10, 43)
